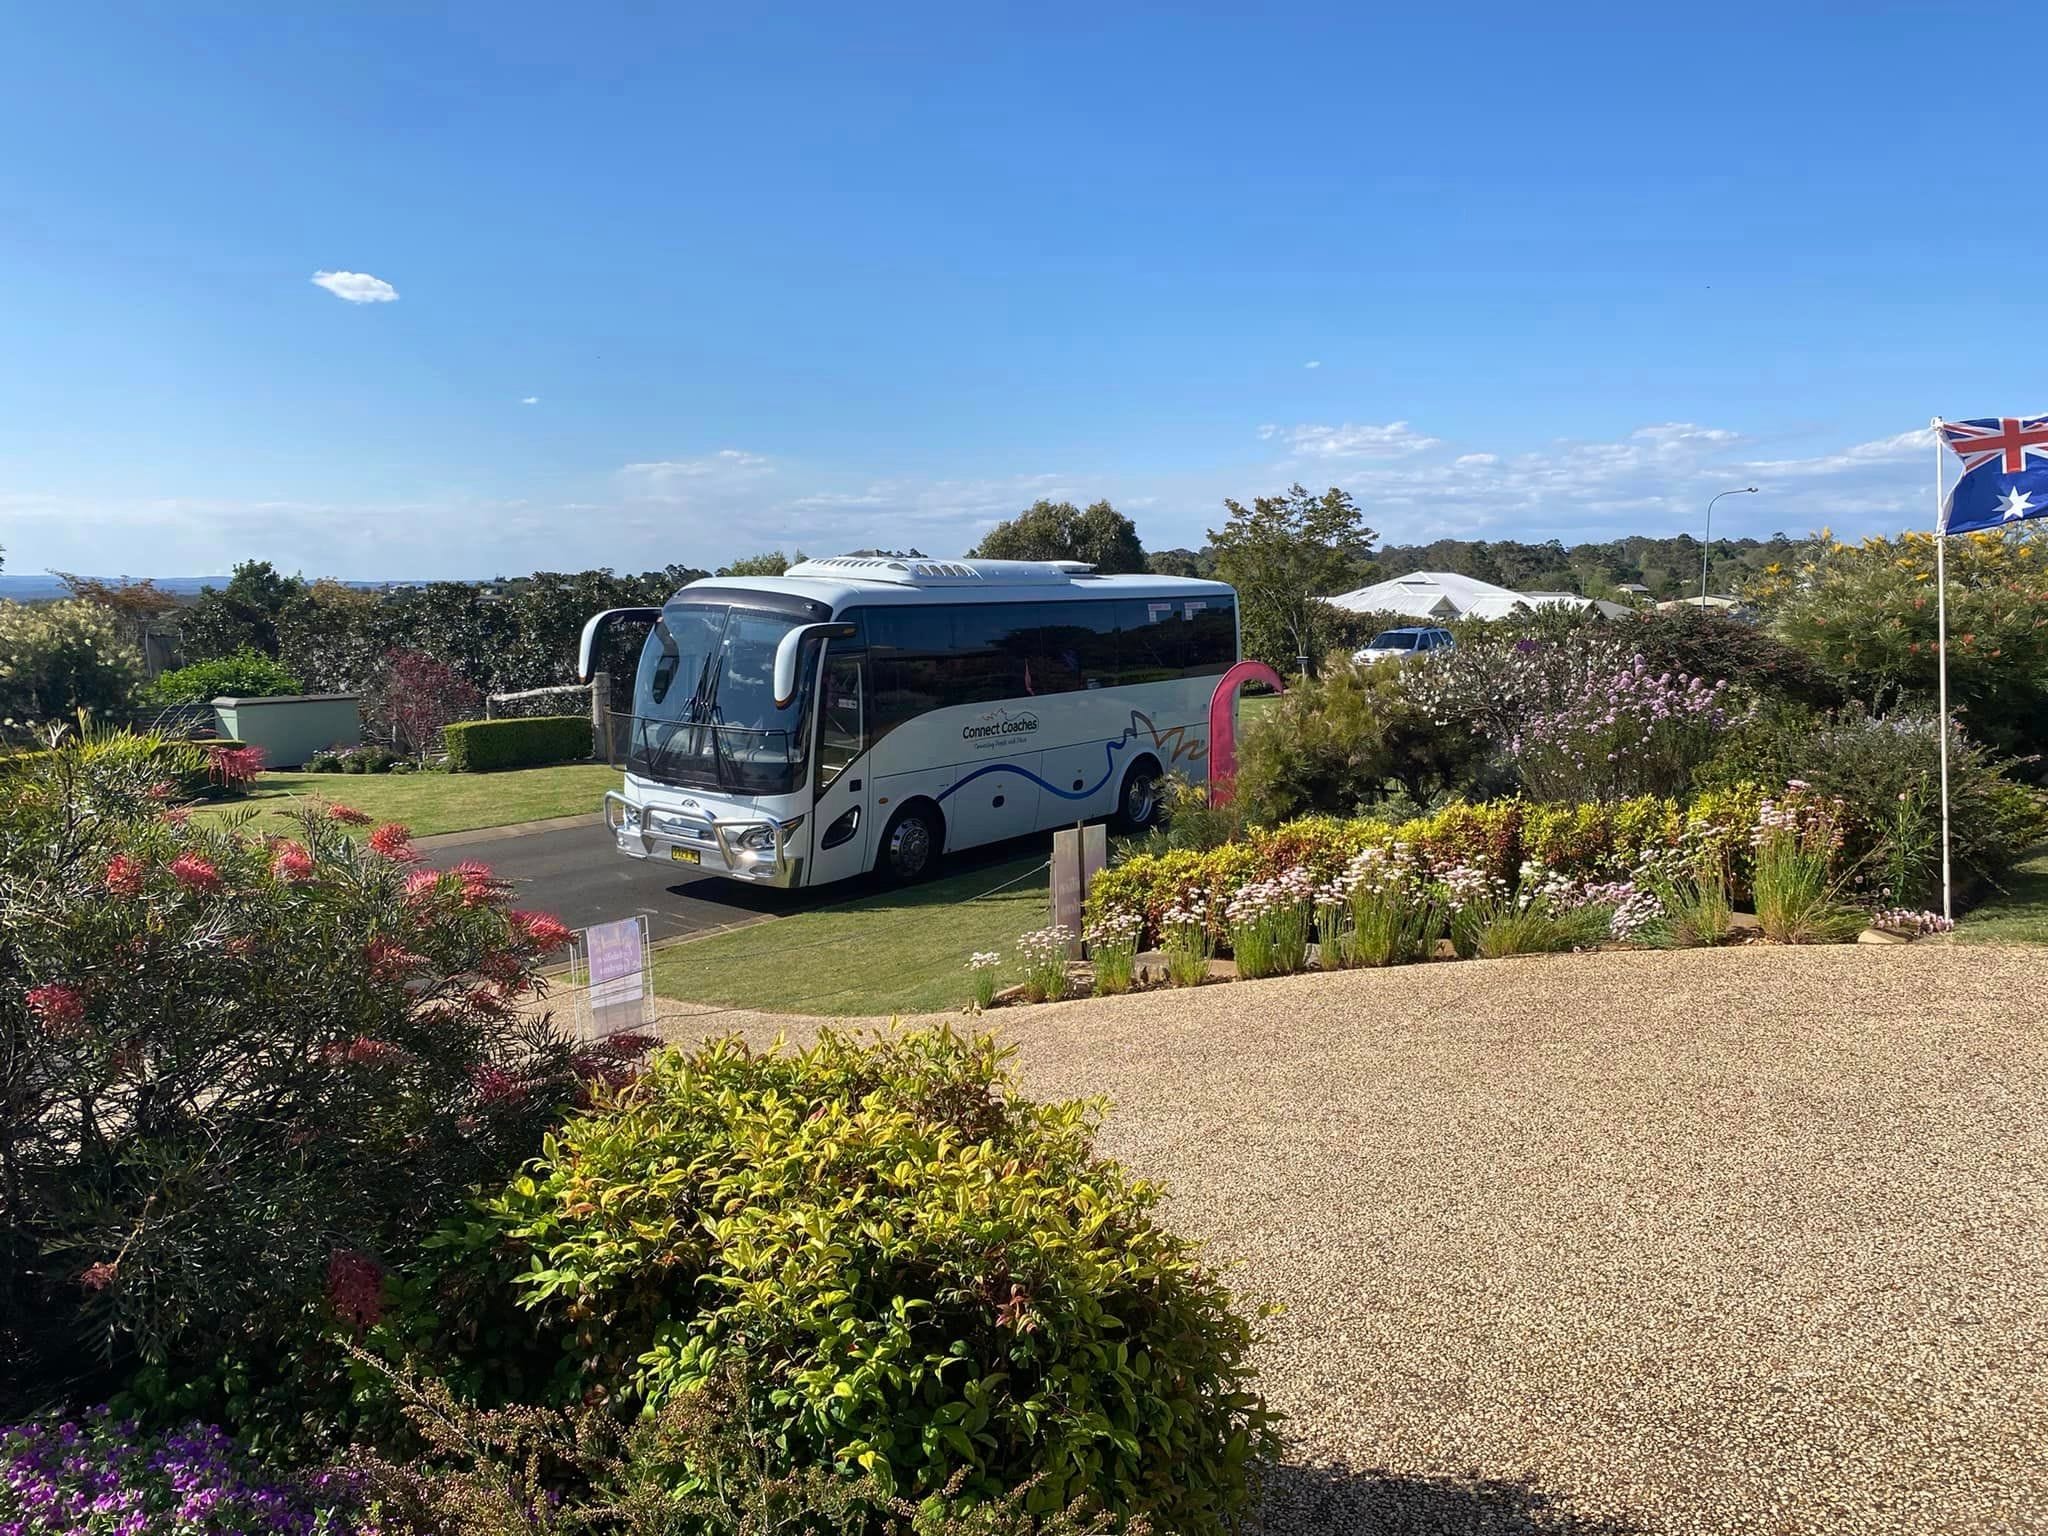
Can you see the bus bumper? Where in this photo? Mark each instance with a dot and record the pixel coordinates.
(757, 851)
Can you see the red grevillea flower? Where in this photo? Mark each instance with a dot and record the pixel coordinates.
(125, 876)
(355, 1287)
(421, 883)
(544, 932)
(290, 861)
(365, 1052)
(177, 815)
(495, 1087)
(628, 1044)
(395, 843)
(349, 816)
(196, 873)
(160, 791)
(60, 1006)
(390, 960)
(98, 1277)
(479, 885)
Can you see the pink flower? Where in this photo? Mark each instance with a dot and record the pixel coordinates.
(291, 862)
(125, 876)
(60, 1006)
(160, 791)
(395, 843)
(98, 1277)
(196, 873)
(544, 932)
(348, 816)
(495, 1087)
(355, 1287)
(365, 1052)
(390, 960)
(421, 883)
(479, 885)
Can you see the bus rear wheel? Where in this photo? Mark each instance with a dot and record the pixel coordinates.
(911, 844)
(1139, 805)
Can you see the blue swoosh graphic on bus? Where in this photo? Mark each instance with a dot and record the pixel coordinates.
(1181, 748)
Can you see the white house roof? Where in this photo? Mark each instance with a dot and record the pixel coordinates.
(1425, 595)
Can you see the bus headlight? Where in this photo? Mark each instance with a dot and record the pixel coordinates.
(761, 838)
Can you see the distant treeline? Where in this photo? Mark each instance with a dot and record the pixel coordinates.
(1669, 567)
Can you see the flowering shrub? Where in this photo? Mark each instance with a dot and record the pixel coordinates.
(1184, 936)
(1044, 953)
(1269, 924)
(59, 658)
(901, 1266)
(981, 974)
(1544, 912)
(1113, 947)
(1616, 731)
(237, 1076)
(100, 1474)
(1381, 911)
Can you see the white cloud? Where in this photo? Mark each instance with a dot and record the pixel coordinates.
(356, 287)
(529, 399)
(1314, 362)
(1349, 441)
(1902, 448)
(1474, 460)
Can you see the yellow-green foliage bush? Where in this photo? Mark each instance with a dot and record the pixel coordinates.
(919, 1275)
(59, 658)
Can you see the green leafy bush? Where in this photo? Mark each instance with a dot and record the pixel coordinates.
(478, 746)
(1879, 765)
(247, 674)
(57, 659)
(1342, 742)
(1713, 646)
(240, 1076)
(925, 1278)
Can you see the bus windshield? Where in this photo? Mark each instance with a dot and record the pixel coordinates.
(704, 713)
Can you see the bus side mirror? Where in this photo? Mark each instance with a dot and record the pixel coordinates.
(791, 647)
(597, 624)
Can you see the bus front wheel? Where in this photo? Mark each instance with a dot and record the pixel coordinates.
(911, 844)
(1139, 805)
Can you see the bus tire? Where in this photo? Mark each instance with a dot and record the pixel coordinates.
(912, 844)
(1139, 805)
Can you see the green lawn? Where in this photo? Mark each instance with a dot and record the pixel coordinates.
(437, 802)
(2020, 916)
(900, 951)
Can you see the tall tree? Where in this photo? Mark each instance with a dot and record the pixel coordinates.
(244, 613)
(1058, 530)
(1285, 554)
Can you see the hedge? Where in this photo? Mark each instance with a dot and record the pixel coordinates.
(1600, 840)
(478, 746)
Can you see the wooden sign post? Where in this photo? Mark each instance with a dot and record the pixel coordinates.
(1078, 856)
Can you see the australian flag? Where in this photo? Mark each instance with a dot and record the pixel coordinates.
(2005, 472)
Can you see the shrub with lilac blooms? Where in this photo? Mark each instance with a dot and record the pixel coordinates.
(97, 1473)
(1617, 731)
(239, 1077)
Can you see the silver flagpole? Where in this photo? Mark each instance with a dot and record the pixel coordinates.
(1941, 662)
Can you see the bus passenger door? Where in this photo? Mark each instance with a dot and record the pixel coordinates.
(844, 806)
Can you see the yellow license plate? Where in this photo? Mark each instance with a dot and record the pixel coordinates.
(686, 855)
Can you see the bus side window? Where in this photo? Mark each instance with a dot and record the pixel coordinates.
(842, 722)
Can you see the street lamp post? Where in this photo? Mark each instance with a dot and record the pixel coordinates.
(1708, 543)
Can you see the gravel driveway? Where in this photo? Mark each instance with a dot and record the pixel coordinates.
(1747, 1240)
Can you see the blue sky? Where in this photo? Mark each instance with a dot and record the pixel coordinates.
(840, 276)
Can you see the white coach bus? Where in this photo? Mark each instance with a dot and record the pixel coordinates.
(875, 712)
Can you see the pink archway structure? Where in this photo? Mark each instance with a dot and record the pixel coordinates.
(1223, 723)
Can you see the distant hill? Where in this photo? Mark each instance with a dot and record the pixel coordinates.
(36, 588)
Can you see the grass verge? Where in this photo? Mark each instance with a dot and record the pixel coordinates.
(432, 803)
(899, 951)
(2019, 915)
